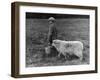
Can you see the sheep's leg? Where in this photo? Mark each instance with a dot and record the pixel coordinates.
(80, 58)
(59, 54)
(68, 56)
(65, 55)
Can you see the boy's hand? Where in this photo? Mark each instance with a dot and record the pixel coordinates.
(49, 44)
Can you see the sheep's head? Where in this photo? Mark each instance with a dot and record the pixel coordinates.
(56, 43)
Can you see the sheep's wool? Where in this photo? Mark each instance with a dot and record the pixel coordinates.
(69, 47)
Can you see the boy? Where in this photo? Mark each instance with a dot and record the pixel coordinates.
(52, 34)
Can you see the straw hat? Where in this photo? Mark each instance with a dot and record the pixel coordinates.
(51, 19)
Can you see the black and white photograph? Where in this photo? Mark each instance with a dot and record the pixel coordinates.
(57, 39)
(51, 39)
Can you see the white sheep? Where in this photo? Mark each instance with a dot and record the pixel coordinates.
(69, 47)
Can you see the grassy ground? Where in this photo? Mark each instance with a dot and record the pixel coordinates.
(68, 29)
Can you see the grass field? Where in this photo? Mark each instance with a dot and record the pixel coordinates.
(71, 29)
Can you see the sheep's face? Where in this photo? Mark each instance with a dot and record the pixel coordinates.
(56, 43)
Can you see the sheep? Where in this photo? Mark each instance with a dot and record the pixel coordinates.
(69, 47)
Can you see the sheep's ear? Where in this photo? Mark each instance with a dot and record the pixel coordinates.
(55, 42)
